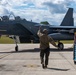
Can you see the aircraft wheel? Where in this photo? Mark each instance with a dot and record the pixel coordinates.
(16, 48)
(60, 46)
(75, 62)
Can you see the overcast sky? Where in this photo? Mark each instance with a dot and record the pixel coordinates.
(52, 11)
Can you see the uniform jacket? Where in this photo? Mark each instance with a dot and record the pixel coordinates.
(44, 40)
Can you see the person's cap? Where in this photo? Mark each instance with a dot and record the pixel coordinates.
(45, 31)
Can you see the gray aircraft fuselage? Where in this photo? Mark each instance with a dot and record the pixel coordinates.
(27, 30)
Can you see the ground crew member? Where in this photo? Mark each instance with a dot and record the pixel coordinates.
(44, 46)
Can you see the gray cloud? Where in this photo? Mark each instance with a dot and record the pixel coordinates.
(59, 7)
(51, 10)
(55, 8)
(3, 11)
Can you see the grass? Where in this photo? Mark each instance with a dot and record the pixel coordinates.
(7, 40)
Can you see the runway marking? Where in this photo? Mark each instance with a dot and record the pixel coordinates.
(4, 55)
(67, 60)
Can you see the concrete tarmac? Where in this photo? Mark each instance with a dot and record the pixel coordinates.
(27, 60)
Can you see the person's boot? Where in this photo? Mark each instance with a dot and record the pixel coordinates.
(45, 66)
(42, 62)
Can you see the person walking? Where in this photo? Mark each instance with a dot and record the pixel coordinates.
(44, 46)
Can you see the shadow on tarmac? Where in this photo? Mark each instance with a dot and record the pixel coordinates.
(38, 50)
(58, 69)
(64, 50)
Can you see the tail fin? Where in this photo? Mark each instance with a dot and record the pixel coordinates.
(68, 19)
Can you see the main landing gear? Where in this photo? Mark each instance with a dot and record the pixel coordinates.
(60, 46)
(75, 62)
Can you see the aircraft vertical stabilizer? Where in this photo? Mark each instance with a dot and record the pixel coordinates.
(68, 19)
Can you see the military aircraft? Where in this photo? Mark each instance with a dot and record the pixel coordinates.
(24, 31)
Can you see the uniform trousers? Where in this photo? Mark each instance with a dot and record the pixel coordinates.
(45, 53)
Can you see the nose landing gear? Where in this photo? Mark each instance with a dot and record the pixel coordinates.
(16, 48)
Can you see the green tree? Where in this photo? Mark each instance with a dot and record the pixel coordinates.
(44, 22)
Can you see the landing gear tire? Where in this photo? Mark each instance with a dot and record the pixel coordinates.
(16, 48)
(75, 62)
(60, 46)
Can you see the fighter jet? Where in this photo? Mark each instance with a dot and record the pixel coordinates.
(24, 31)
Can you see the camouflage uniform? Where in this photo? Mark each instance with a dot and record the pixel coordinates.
(44, 46)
